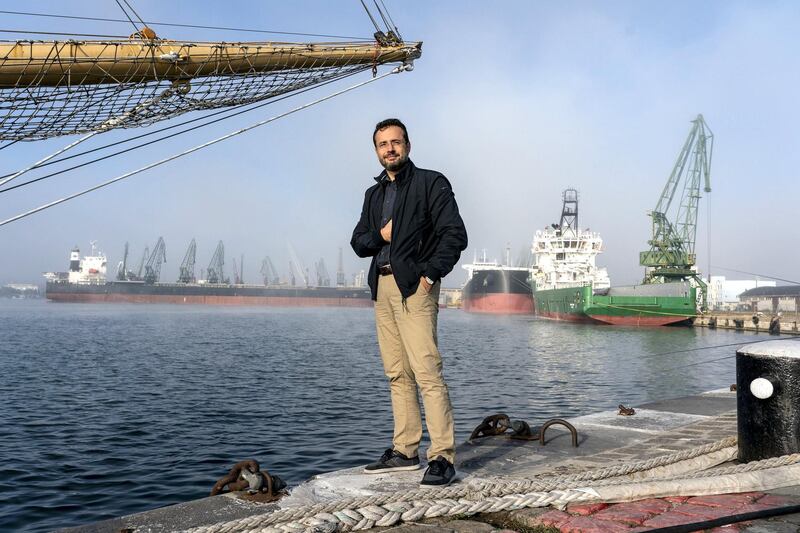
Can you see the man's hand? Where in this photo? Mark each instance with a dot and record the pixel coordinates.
(425, 285)
(386, 232)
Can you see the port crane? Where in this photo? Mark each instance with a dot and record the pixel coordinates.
(152, 270)
(296, 268)
(340, 282)
(671, 256)
(186, 272)
(323, 279)
(122, 267)
(238, 271)
(140, 271)
(269, 272)
(216, 267)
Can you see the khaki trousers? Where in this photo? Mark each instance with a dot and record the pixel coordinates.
(411, 361)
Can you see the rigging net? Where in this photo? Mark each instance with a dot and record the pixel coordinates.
(50, 89)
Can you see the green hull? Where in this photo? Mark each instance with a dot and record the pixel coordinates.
(637, 305)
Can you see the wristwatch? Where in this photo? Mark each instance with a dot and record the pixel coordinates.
(429, 280)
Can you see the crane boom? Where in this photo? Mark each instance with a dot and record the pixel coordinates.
(152, 270)
(186, 274)
(216, 267)
(672, 245)
(269, 272)
(140, 270)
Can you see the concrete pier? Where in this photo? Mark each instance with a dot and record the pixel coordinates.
(753, 322)
(604, 438)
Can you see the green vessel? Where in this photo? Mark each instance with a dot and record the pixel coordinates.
(568, 285)
(634, 305)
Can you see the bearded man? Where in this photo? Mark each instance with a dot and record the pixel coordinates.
(411, 228)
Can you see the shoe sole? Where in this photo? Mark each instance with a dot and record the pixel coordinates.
(426, 486)
(393, 469)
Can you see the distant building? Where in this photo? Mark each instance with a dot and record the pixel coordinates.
(19, 290)
(723, 294)
(783, 298)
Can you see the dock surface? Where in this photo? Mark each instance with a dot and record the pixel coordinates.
(604, 439)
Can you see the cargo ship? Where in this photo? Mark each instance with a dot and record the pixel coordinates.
(495, 288)
(568, 285)
(86, 282)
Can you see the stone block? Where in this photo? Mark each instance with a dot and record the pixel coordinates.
(585, 509)
(553, 518)
(624, 512)
(670, 518)
(730, 501)
(590, 524)
(776, 501)
(652, 505)
(703, 512)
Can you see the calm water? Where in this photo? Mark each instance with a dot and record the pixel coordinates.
(112, 409)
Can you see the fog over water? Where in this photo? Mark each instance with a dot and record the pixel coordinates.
(513, 102)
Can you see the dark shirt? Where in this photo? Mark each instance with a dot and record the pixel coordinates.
(389, 194)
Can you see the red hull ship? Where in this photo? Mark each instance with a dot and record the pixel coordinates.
(497, 289)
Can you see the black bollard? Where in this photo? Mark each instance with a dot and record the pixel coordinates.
(768, 399)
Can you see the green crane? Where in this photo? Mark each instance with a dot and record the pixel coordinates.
(671, 256)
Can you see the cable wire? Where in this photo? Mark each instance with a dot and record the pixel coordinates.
(127, 16)
(121, 177)
(195, 26)
(230, 113)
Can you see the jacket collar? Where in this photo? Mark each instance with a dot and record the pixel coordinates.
(404, 173)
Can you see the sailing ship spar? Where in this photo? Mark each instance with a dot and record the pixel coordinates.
(88, 87)
(69, 87)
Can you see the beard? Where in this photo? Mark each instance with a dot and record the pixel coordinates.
(397, 164)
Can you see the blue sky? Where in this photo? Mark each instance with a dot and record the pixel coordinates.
(513, 101)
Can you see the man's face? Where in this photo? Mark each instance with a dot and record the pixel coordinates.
(391, 147)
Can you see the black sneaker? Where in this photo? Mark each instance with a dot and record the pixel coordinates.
(440, 473)
(392, 461)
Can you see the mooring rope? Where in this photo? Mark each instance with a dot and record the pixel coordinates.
(481, 496)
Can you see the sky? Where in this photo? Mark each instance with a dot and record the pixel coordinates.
(512, 101)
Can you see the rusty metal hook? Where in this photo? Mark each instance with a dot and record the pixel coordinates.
(247, 475)
(491, 426)
(562, 422)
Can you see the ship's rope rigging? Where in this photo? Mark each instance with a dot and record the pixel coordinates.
(152, 23)
(57, 88)
(126, 175)
(205, 120)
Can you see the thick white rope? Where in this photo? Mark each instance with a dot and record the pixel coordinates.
(488, 496)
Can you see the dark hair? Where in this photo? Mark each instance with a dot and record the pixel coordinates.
(383, 124)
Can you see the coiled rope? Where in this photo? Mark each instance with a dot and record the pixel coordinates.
(487, 495)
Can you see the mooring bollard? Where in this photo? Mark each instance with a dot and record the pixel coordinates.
(768, 399)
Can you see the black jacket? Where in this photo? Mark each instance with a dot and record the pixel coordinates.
(428, 234)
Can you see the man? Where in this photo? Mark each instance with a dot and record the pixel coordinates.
(411, 228)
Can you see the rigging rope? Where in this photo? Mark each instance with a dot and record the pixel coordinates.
(395, 70)
(230, 113)
(50, 89)
(194, 26)
(111, 123)
(127, 16)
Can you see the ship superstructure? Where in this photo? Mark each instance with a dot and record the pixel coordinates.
(89, 270)
(564, 255)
